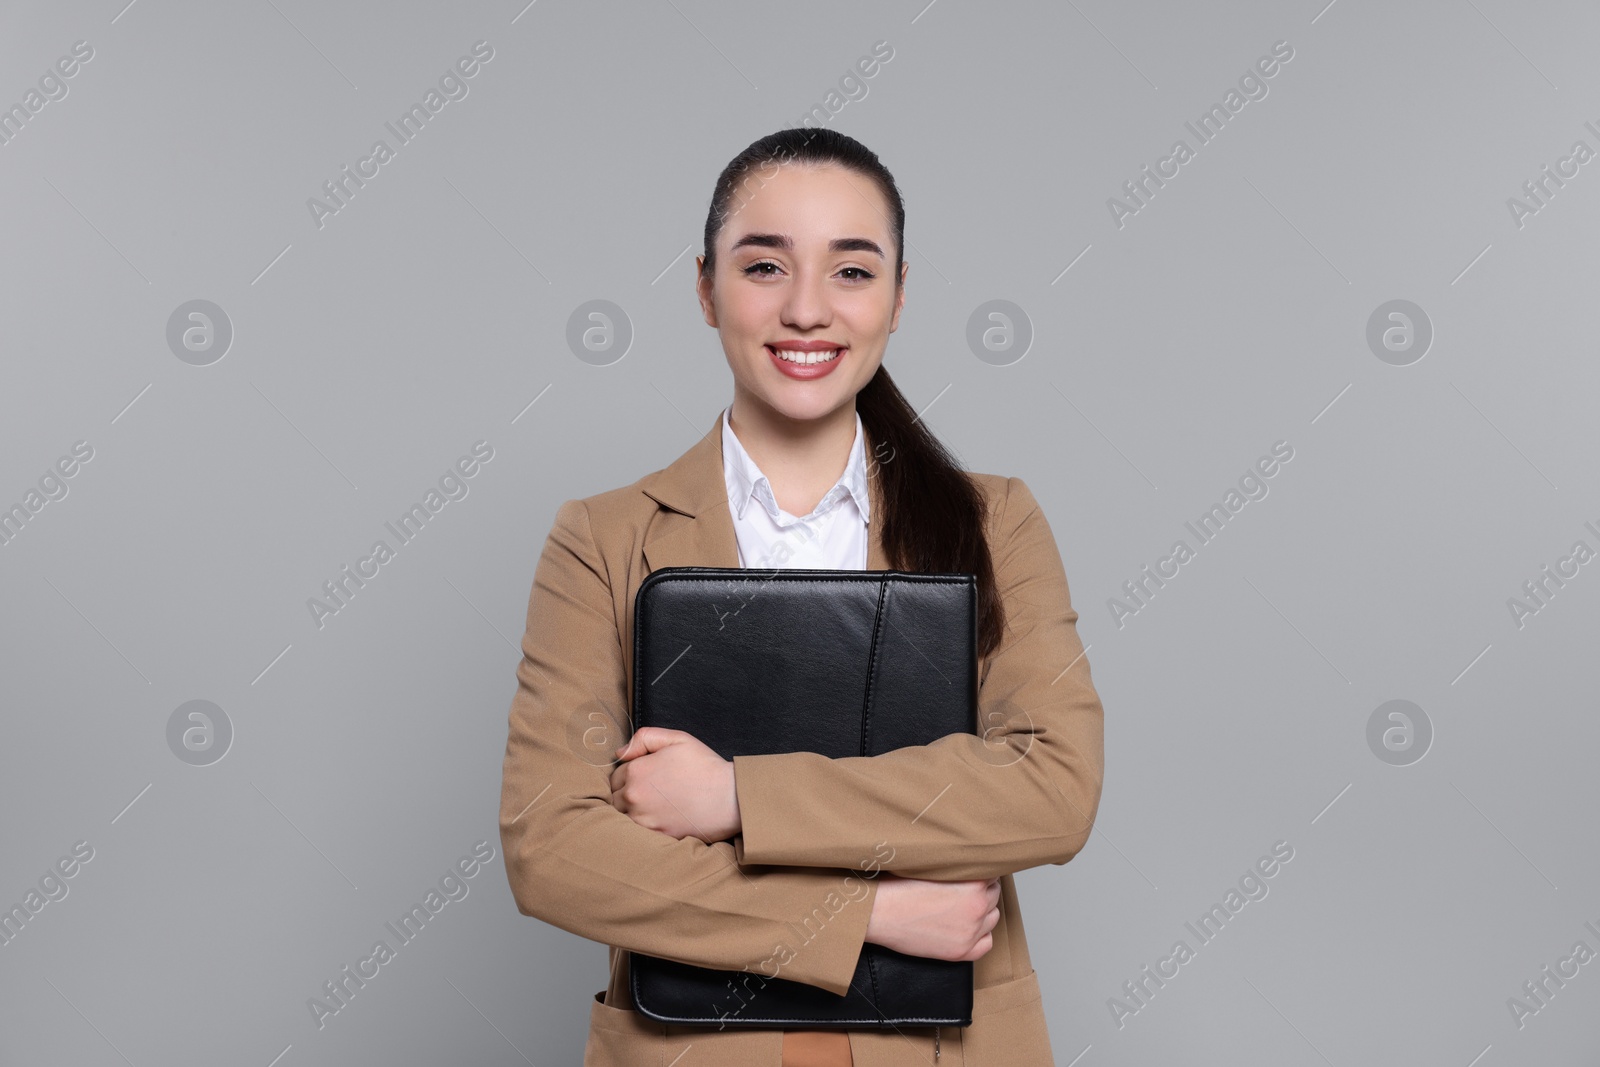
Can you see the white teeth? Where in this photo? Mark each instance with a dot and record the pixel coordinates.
(792, 356)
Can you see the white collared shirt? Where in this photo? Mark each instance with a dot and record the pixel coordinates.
(832, 537)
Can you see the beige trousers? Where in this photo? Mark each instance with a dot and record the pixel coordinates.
(816, 1048)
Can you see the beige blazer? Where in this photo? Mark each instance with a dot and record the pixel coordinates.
(791, 895)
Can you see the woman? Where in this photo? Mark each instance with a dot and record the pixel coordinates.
(675, 852)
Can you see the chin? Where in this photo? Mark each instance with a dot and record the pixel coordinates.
(806, 409)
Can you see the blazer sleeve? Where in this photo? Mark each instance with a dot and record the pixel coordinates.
(576, 862)
(1021, 792)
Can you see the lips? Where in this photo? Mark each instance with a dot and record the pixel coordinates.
(806, 360)
(806, 356)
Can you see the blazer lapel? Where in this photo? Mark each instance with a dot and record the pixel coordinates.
(696, 529)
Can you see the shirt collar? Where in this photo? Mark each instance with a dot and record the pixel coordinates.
(745, 482)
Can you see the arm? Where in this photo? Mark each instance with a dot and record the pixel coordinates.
(1021, 793)
(576, 862)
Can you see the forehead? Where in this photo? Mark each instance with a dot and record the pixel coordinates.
(811, 204)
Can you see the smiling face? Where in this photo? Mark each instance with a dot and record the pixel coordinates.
(806, 262)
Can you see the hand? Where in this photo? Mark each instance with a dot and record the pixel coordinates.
(670, 781)
(936, 920)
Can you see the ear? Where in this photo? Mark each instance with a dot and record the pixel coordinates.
(702, 288)
(899, 298)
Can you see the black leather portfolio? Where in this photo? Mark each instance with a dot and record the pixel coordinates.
(840, 662)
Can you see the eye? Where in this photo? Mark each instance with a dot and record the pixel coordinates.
(861, 273)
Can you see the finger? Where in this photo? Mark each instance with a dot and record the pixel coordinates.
(619, 778)
(634, 744)
(648, 739)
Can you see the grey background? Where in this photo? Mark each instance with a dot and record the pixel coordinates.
(369, 354)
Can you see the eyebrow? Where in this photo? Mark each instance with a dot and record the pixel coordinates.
(785, 242)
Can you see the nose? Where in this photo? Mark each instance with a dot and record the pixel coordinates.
(807, 305)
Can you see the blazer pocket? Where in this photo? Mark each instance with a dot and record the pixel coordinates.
(623, 1037)
(1008, 1026)
(619, 1037)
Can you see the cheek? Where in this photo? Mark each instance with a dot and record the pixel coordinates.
(746, 312)
(868, 318)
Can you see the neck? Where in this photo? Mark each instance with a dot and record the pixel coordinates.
(802, 458)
